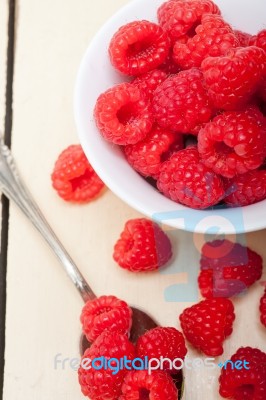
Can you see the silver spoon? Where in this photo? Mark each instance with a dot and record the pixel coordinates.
(14, 189)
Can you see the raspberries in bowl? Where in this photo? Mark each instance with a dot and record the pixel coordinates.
(170, 110)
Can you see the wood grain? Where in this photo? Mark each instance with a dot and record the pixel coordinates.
(42, 306)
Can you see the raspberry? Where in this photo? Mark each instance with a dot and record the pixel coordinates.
(162, 342)
(169, 66)
(181, 102)
(103, 384)
(107, 313)
(140, 385)
(123, 114)
(259, 40)
(262, 91)
(246, 189)
(242, 37)
(227, 268)
(142, 246)
(246, 383)
(147, 156)
(207, 324)
(73, 177)
(232, 79)
(234, 142)
(214, 37)
(138, 47)
(185, 179)
(148, 82)
(263, 309)
(180, 18)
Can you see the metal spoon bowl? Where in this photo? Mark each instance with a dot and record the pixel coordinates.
(140, 322)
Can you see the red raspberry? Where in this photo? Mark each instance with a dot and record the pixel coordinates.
(162, 342)
(207, 324)
(263, 309)
(140, 385)
(243, 38)
(148, 82)
(104, 384)
(142, 246)
(234, 78)
(180, 18)
(138, 47)
(262, 91)
(246, 383)
(169, 66)
(147, 156)
(73, 177)
(227, 268)
(214, 37)
(234, 142)
(259, 40)
(181, 102)
(123, 114)
(246, 189)
(185, 179)
(107, 313)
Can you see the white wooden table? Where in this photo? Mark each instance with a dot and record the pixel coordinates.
(42, 315)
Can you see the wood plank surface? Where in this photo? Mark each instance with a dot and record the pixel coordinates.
(42, 305)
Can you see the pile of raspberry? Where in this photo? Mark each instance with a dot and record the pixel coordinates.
(192, 118)
(106, 322)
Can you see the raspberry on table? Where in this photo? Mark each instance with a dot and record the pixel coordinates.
(147, 156)
(140, 385)
(180, 18)
(207, 324)
(263, 309)
(234, 142)
(162, 342)
(139, 47)
(181, 102)
(148, 82)
(213, 37)
(246, 383)
(104, 384)
(243, 38)
(246, 189)
(105, 313)
(123, 114)
(227, 268)
(143, 246)
(186, 180)
(233, 79)
(73, 177)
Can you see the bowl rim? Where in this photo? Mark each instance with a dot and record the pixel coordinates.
(170, 217)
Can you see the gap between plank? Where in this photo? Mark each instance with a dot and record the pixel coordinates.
(5, 202)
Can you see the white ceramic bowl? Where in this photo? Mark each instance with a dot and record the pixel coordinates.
(96, 75)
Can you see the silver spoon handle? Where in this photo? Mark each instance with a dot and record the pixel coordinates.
(14, 189)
